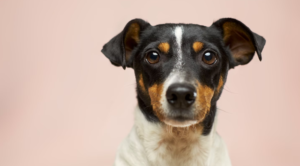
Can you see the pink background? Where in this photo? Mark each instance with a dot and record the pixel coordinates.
(62, 103)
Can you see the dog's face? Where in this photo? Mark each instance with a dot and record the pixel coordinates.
(181, 69)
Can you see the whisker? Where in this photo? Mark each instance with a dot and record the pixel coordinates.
(228, 90)
(223, 110)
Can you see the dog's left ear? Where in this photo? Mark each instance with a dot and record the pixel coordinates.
(242, 42)
(118, 50)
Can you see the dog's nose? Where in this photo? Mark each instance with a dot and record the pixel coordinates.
(181, 95)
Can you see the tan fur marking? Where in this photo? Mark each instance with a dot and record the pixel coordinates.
(179, 140)
(164, 47)
(155, 92)
(183, 132)
(197, 46)
(230, 29)
(204, 96)
(221, 83)
(133, 32)
(131, 38)
(141, 83)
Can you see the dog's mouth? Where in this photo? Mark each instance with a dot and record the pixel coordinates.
(180, 121)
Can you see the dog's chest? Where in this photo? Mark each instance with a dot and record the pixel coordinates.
(149, 144)
(168, 150)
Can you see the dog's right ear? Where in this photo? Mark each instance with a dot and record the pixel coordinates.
(118, 50)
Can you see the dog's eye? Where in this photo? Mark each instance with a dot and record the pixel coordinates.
(209, 57)
(152, 57)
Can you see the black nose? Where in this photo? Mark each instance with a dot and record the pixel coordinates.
(181, 95)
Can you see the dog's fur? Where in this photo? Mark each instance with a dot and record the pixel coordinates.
(171, 61)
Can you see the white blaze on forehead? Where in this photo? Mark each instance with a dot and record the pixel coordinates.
(178, 31)
(176, 76)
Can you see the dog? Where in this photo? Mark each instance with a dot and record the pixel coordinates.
(180, 72)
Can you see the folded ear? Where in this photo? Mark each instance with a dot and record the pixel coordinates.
(241, 41)
(118, 50)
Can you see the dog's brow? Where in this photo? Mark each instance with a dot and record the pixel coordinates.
(164, 47)
(197, 46)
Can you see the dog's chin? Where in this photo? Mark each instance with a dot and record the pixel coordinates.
(181, 123)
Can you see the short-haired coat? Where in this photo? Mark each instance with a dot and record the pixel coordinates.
(180, 72)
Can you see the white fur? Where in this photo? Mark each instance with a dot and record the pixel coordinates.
(178, 32)
(176, 76)
(145, 146)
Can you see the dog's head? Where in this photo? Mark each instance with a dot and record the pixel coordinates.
(181, 69)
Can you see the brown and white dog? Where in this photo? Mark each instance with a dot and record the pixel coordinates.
(180, 72)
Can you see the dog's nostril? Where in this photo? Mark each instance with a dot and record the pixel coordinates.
(189, 98)
(181, 95)
(172, 98)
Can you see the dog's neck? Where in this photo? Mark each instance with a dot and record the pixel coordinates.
(165, 144)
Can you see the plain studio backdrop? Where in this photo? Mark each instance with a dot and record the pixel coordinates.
(62, 103)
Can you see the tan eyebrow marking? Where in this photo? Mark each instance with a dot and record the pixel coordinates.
(164, 47)
(197, 46)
